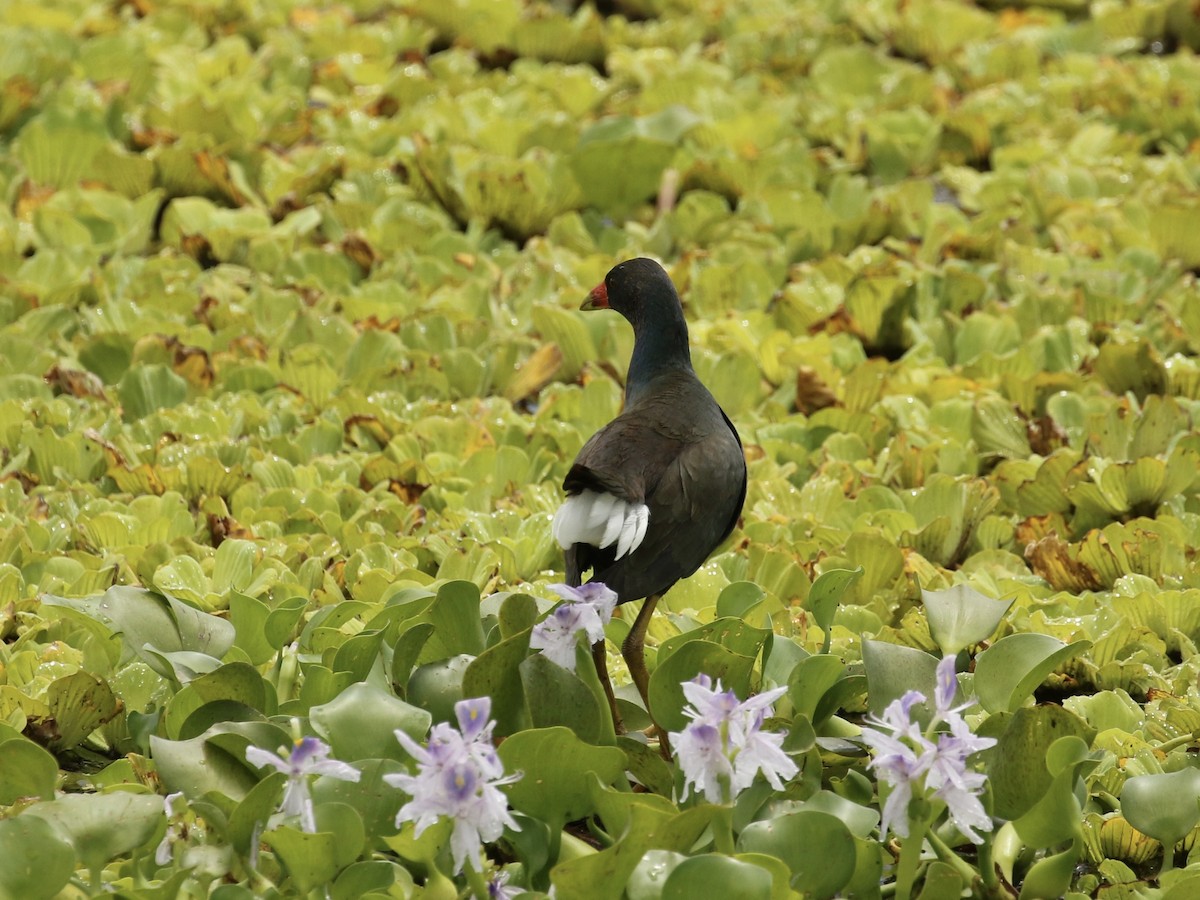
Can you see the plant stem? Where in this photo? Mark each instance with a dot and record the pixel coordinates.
(475, 879)
(585, 669)
(722, 829)
(1181, 741)
(910, 858)
(947, 855)
(987, 868)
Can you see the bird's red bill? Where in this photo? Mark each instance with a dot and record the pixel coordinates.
(598, 298)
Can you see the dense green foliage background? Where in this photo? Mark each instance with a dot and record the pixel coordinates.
(287, 319)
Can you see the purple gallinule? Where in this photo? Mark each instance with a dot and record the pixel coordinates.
(655, 491)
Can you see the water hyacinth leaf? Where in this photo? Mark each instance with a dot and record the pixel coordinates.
(282, 620)
(371, 878)
(1163, 806)
(810, 680)
(249, 618)
(731, 633)
(496, 673)
(237, 681)
(145, 617)
(737, 599)
(784, 656)
(1055, 818)
(26, 770)
(361, 721)
(646, 765)
(555, 696)
(406, 653)
(603, 875)
(250, 815)
(375, 801)
(1010, 670)
(559, 772)
(208, 715)
(941, 882)
(892, 670)
(344, 823)
(455, 618)
(650, 876)
(39, 859)
(816, 846)
(359, 654)
(435, 687)
(517, 613)
(1016, 766)
(1050, 876)
(722, 876)
(102, 826)
(197, 766)
(861, 820)
(309, 859)
(961, 616)
(825, 595)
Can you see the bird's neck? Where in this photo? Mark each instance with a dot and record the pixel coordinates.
(660, 347)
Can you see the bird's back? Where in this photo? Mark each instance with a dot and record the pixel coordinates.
(676, 451)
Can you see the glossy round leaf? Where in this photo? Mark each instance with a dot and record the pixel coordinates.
(816, 846)
(1166, 807)
(717, 876)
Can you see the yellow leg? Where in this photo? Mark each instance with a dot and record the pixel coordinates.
(633, 650)
(600, 658)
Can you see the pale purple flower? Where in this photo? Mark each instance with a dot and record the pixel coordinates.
(588, 609)
(724, 747)
(458, 777)
(911, 763)
(309, 757)
(172, 809)
(499, 889)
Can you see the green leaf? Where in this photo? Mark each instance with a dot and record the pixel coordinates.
(713, 875)
(893, 670)
(1163, 806)
(826, 594)
(361, 721)
(689, 660)
(817, 847)
(811, 679)
(310, 859)
(1016, 766)
(1056, 816)
(557, 767)
(39, 860)
(26, 770)
(1010, 670)
(145, 617)
(497, 673)
(1052, 875)
(102, 826)
(556, 696)
(455, 618)
(147, 389)
(961, 616)
(435, 687)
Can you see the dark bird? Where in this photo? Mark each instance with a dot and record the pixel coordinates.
(658, 488)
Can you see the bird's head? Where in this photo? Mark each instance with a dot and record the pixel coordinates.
(634, 288)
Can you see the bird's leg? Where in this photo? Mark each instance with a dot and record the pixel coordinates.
(633, 650)
(600, 658)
